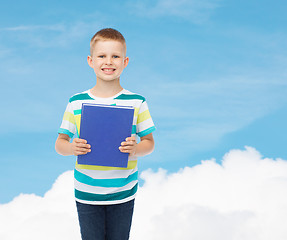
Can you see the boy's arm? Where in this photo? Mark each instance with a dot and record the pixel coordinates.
(78, 146)
(144, 147)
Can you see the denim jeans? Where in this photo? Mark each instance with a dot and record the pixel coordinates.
(105, 222)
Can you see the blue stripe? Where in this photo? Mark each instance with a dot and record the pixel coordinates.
(65, 131)
(134, 129)
(117, 182)
(80, 96)
(130, 97)
(105, 197)
(146, 132)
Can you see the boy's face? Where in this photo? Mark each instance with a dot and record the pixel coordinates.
(108, 60)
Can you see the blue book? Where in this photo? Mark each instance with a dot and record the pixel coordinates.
(105, 127)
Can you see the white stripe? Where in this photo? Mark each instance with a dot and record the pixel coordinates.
(107, 202)
(77, 105)
(69, 126)
(112, 174)
(102, 190)
(128, 102)
(143, 107)
(145, 125)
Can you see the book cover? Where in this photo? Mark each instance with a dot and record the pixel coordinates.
(105, 127)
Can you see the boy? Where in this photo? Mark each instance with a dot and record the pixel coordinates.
(105, 195)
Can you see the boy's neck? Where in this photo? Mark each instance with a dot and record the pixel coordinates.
(106, 89)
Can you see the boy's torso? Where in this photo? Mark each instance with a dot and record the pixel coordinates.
(106, 185)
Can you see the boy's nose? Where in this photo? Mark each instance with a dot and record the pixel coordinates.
(109, 60)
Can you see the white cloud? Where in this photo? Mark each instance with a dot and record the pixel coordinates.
(198, 11)
(53, 216)
(243, 198)
(53, 35)
(55, 27)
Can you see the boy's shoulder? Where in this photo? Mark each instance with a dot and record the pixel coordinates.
(80, 96)
(128, 95)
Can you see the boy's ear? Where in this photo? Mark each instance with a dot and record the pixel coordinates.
(126, 61)
(90, 61)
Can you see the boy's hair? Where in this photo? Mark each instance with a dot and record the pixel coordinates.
(106, 34)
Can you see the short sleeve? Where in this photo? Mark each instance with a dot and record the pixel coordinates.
(68, 125)
(145, 123)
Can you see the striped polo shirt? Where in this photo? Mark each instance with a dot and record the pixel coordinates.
(106, 185)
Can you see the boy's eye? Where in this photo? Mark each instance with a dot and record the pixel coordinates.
(101, 56)
(115, 56)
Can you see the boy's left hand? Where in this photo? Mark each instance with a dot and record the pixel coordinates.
(129, 146)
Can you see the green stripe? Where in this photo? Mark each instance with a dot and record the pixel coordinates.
(130, 97)
(105, 197)
(65, 131)
(118, 182)
(77, 112)
(134, 129)
(81, 96)
(146, 132)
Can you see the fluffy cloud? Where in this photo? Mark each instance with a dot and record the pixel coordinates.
(244, 197)
(53, 216)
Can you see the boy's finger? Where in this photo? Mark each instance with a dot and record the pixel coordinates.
(83, 145)
(79, 140)
(123, 149)
(129, 143)
(126, 147)
(82, 149)
(86, 145)
(131, 139)
(81, 152)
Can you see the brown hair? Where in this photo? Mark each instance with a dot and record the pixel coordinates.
(106, 34)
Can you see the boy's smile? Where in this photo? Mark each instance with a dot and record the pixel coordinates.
(108, 60)
(108, 70)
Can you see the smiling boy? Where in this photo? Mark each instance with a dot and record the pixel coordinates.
(105, 195)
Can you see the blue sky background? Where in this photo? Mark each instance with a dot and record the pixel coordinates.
(213, 72)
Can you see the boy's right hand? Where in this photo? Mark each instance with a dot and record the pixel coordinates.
(79, 146)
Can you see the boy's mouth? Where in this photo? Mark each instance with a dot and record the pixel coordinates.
(108, 70)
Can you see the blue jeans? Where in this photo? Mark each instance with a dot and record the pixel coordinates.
(105, 222)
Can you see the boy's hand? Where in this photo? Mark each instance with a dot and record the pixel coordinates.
(129, 146)
(79, 147)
